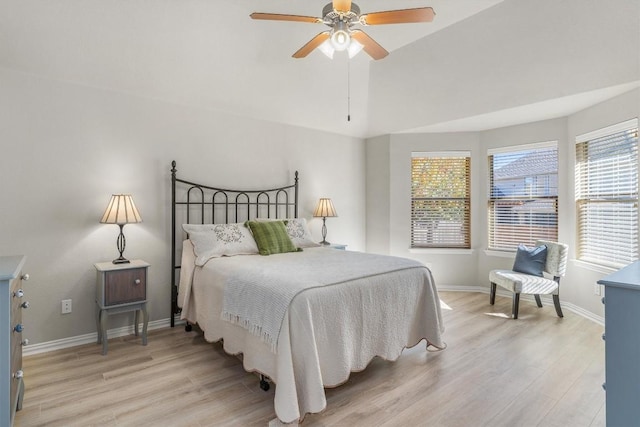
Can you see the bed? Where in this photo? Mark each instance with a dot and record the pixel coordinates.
(281, 311)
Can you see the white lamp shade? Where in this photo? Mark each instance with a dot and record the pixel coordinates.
(121, 210)
(325, 209)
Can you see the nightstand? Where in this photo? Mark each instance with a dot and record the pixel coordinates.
(121, 288)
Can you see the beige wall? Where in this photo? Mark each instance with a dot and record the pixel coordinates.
(66, 148)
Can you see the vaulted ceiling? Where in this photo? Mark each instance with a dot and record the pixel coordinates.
(209, 54)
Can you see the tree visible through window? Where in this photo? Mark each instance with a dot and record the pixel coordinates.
(607, 195)
(523, 195)
(440, 200)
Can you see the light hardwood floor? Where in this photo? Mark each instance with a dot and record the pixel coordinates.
(538, 370)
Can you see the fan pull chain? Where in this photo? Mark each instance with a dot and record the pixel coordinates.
(348, 89)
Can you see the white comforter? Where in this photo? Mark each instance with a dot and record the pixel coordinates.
(375, 319)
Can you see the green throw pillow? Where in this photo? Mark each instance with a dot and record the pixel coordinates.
(271, 237)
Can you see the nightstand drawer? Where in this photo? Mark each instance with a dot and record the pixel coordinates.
(125, 286)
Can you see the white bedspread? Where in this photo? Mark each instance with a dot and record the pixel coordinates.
(257, 296)
(374, 319)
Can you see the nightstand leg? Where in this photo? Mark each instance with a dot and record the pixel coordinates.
(136, 319)
(98, 328)
(103, 328)
(145, 323)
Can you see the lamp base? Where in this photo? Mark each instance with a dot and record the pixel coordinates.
(324, 242)
(120, 243)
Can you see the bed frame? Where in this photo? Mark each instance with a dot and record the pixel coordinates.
(193, 203)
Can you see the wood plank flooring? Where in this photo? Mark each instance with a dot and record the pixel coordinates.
(538, 370)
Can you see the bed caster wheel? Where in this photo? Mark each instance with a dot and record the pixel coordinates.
(188, 327)
(264, 384)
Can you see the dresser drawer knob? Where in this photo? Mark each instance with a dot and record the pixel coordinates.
(137, 281)
(602, 300)
(603, 338)
(25, 342)
(19, 328)
(19, 374)
(25, 277)
(25, 304)
(19, 293)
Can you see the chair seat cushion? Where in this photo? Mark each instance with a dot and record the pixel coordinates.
(523, 283)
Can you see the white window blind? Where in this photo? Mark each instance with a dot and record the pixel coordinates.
(440, 200)
(523, 195)
(607, 195)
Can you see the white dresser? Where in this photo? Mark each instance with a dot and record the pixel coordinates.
(12, 303)
(622, 346)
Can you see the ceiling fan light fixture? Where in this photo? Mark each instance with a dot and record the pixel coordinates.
(354, 48)
(340, 37)
(327, 48)
(340, 40)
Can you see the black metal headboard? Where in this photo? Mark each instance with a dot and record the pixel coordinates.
(193, 203)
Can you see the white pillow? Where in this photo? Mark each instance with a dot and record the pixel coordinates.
(216, 240)
(299, 233)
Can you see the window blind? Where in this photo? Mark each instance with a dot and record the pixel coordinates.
(523, 196)
(440, 200)
(607, 196)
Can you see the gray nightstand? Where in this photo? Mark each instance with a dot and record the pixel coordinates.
(121, 288)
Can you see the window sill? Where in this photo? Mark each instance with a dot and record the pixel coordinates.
(595, 267)
(501, 254)
(441, 251)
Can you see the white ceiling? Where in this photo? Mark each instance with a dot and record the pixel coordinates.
(210, 54)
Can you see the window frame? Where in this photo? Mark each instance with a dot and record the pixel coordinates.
(499, 239)
(596, 243)
(449, 237)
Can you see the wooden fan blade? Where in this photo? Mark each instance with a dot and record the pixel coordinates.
(370, 45)
(342, 5)
(312, 44)
(279, 17)
(404, 16)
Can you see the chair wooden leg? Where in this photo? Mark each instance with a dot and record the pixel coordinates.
(516, 304)
(492, 294)
(538, 301)
(556, 303)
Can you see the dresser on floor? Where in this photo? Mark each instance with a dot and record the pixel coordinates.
(622, 345)
(12, 303)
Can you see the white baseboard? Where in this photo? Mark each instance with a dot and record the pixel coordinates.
(45, 347)
(163, 323)
(545, 298)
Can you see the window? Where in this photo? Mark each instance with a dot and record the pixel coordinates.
(607, 195)
(440, 200)
(523, 195)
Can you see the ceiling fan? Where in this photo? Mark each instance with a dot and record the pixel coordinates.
(341, 16)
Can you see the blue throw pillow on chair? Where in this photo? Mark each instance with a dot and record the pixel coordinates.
(530, 260)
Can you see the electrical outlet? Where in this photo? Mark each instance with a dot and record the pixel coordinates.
(66, 306)
(596, 289)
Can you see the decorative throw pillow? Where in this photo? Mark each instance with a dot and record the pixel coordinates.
(530, 260)
(216, 240)
(297, 230)
(271, 237)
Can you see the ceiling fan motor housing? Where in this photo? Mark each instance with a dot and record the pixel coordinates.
(330, 16)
